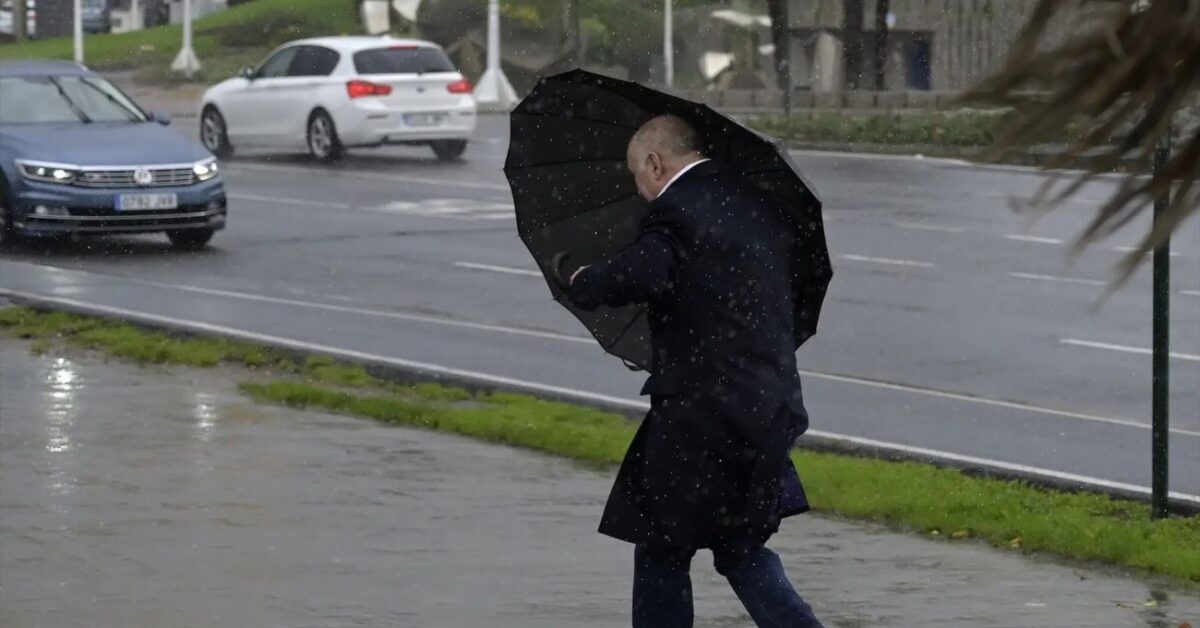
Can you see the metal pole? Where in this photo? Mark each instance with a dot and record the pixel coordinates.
(668, 46)
(78, 31)
(1160, 417)
(20, 21)
(786, 56)
(883, 9)
(186, 62)
(494, 92)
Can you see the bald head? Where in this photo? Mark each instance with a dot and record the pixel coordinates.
(658, 150)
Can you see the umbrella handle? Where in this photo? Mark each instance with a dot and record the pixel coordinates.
(556, 269)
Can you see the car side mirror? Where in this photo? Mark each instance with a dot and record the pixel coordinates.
(247, 73)
(161, 118)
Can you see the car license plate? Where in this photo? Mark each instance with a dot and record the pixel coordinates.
(135, 202)
(423, 119)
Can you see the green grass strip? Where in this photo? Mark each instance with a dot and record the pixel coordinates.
(914, 496)
(223, 41)
(962, 128)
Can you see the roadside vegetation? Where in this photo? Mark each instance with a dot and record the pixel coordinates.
(224, 41)
(964, 128)
(922, 498)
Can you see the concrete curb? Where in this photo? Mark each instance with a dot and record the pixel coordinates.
(404, 371)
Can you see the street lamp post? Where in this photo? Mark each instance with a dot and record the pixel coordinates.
(186, 62)
(668, 45)
(494, 91)
(77, 30)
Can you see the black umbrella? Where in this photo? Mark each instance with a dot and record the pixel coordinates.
(572, 191)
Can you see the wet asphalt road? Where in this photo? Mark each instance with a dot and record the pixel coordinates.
(153, 497)
(952, 324)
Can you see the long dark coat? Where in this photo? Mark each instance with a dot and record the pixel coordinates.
(714, 264)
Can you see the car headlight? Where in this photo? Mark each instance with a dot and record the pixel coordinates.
(48, 173)
(205, 170)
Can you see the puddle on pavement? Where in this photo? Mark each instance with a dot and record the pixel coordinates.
(160, 497)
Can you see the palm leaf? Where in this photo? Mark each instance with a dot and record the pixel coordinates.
(1128, 73)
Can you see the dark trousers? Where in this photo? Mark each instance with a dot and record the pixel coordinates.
(662, 586)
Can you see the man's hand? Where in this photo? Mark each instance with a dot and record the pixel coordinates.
(575, 274)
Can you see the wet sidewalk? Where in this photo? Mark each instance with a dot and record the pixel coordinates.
(159, 497)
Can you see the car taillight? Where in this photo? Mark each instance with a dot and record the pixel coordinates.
(359, 89)
(459, 87)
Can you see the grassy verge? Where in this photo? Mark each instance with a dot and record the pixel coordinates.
(913, 496)
(223, 41)
(964, 128)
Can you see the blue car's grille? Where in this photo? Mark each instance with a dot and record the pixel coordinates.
(160, 177)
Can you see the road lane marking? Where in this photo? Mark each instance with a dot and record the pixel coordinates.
(453, 208)
(848, 379)
(1031, 238)
(1190, 293)
(1124, 348)
(237, 196)
(1012, 405)
(1082, 282)
(508, 270)
(418, 318)
(1131, 249)
(540, 388)
(1007, 466)
(884, 260)
(924, 227)
(366, 174)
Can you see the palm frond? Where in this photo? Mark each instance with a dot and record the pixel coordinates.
(1128, 73)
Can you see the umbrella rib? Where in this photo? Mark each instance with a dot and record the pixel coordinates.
(640, 314)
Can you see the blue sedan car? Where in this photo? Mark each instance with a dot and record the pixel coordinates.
(78, 156)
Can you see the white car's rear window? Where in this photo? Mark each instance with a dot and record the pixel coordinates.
(402, 60)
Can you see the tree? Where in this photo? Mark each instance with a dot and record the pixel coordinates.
(882, 43)
(1128, 73)
(854, 12)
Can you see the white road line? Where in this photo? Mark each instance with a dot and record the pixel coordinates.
(366, 174)
(847, 379)
(1082, 282)
(1013, 405)
(1029, 238)
(1124, 348)
(1190, 293)
(539, 388)
(1008, 466)
(508, 270)
(329, 307)
(1131, 249)
(884, 260)
(286, 201)
(924, 227)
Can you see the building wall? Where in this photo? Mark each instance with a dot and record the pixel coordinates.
(966, 39)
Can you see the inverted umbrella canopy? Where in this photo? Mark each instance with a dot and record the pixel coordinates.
(573, 192)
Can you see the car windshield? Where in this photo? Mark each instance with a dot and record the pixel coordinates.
(59, 99)
(402, 60)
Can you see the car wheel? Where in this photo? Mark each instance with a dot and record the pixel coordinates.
(190, 239)
(323, 140)
(214, 133)
(449, 150)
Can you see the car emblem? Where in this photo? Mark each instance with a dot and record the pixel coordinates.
(420, 90)
(142, 176)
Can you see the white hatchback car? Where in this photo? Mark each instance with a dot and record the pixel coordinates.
(334, 93)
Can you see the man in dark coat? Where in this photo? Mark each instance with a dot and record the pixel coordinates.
(709, 466)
